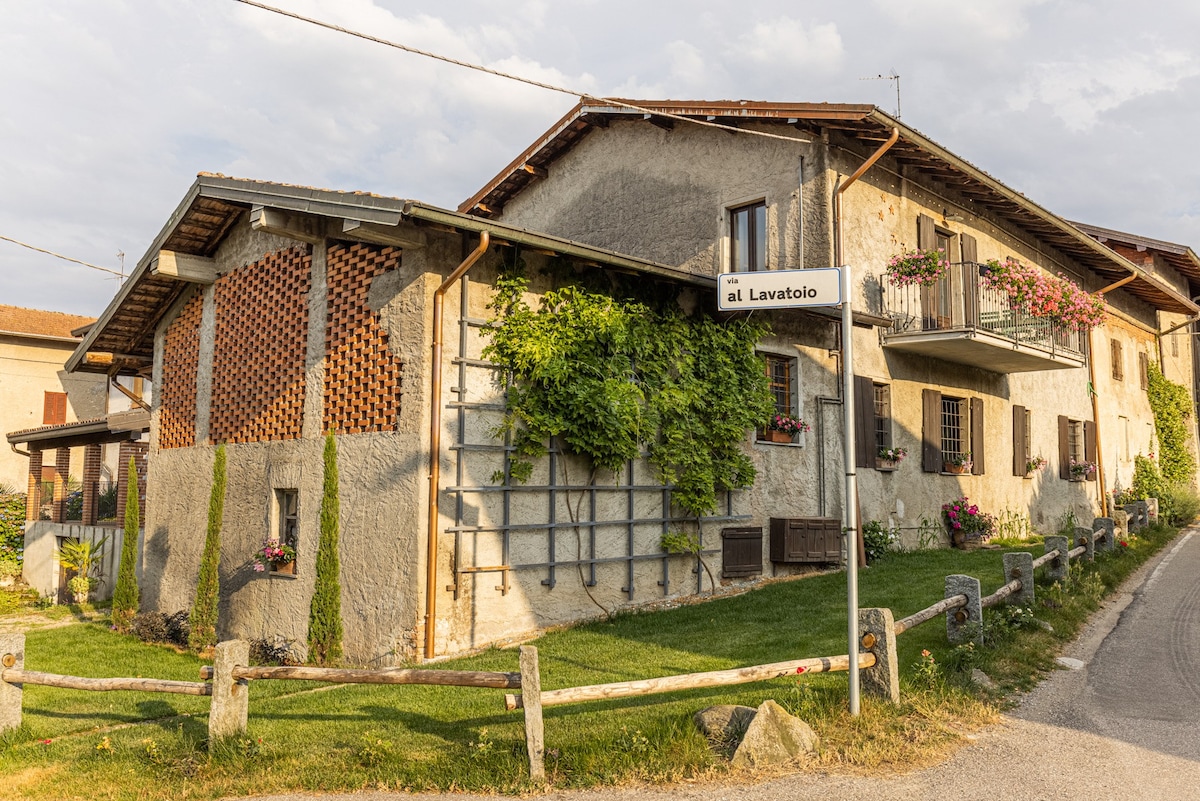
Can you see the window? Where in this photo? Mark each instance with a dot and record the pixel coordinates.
(781, 380)
(952, 428)
(748, 238)
(54, 409)
(883, 416)
(1144, 369)
(872, 420)
(1022, 440)
(287, 525)
(1076, 442)
(1118, 360)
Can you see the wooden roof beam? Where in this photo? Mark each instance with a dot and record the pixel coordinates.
(184, 267)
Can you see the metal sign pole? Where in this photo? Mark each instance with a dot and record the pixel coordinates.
(850, 523)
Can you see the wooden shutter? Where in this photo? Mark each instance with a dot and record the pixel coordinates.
(1064, 447)
(1144, 369)
(931, 431)
(977, 430)
(1020, 458)
(970, 250)
(864, 421)
(1089, 447)
(970, 255)
(926, 232)
(54, 410)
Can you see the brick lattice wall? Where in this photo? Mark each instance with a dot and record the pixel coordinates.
(258, 358)
(362, 375)
(181, 359)
(140, 452)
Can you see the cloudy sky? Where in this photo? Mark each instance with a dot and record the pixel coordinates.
(110, 107)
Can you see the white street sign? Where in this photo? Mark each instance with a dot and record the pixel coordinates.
(779, 289)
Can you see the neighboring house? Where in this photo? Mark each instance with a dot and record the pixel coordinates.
(941, 371)
(1130, 350)
(34, 388)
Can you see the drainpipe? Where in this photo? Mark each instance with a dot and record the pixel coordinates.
(1096, 417)
(435, 440)
(847, 368)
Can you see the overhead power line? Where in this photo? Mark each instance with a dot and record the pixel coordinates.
(509, 76)
(60, 256)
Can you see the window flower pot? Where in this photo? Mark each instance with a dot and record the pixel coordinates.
(284, 568)
(886, 464)
(956, 469)
(782, 437)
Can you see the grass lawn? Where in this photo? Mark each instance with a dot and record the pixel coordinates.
(305, 736)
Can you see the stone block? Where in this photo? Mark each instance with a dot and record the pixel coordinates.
(774, 737)
(1107, 527)
(1085, 537)
(724, 724)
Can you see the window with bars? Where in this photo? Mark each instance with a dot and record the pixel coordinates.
(1076, 443)
(287, 522)
(1022, 440)
(883, 416)
(748, 238)
(952, 428)
(781, 380)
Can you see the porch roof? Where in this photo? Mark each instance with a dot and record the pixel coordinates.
(116, 427)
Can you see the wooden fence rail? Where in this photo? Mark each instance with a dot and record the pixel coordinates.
(448, 678)
(12, 676)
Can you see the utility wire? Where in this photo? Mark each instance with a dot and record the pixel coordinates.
(60, 256)
(511, 77)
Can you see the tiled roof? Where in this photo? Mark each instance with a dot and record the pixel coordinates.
(36, 322)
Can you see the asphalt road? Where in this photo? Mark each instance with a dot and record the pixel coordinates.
(1124, 724)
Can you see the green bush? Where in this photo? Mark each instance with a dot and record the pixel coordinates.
(12, 522)
(1147, 481)
(106, 503)
(878, 540)
(1179, 504)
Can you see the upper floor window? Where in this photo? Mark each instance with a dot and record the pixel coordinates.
(54, 409)
(1144, 369)
(1118, 360)
(748, 238)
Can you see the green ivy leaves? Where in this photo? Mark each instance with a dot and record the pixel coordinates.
(1171, 405)
(613, 378)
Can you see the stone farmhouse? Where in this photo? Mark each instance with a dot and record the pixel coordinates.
(270, 314)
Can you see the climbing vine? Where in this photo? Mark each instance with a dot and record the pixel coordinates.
(1171, 406)
(612, 377)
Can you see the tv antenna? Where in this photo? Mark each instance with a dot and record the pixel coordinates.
(894, 76)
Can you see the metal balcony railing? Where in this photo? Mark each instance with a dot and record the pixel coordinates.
(960, 302)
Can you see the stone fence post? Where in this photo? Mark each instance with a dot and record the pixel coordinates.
(1109, 528)
(1056, 570)
(230, 708)
(1018, 565)
(12, 655)
(966, 622)
(1085, 537)
(877, 628)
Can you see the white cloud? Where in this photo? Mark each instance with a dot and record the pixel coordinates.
(945, 22)
(1078, 92)
(786, 43)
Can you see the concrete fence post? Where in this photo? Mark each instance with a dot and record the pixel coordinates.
(1056, 570)
(966, 622)
(12, 655)
(531, 701)
(1085, 537)
(1108, 527)
(1018, 566)
(877, 628)
(230, 708)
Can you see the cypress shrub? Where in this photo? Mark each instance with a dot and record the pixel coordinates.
(126, 595)
(203, 619)
(325, 612)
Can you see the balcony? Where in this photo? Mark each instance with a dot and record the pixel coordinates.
(960, 320)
